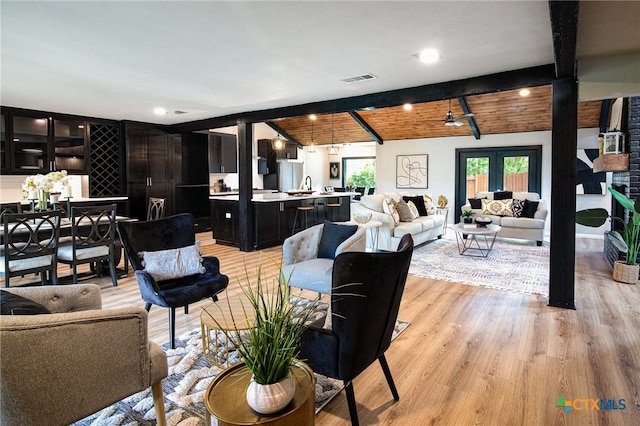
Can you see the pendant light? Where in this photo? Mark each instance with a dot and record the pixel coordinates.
(278, 143)
(312, 146)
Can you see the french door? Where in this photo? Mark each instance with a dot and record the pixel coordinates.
(516, 169)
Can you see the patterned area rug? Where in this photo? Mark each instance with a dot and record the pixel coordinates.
(189, 375)
(513, 265)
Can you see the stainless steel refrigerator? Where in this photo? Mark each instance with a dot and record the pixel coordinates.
(290, 174)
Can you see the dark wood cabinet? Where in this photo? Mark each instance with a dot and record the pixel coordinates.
(30, 149)
(70, 146)
(191, 176)
(267, 225)
(224, 223)
(148, 169)
(223, 153)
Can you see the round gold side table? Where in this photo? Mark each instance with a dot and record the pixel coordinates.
(225, 399)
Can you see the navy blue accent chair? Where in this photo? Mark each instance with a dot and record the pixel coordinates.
(170, 233)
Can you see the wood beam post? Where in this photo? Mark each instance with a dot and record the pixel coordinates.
(564, 145)
(246, 219)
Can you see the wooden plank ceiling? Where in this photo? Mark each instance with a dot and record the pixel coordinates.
(495, 113)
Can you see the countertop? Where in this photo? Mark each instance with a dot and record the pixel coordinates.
(283, 196)
(74, 200)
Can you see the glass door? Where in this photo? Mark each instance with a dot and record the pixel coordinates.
(69, 145)
(31, 145)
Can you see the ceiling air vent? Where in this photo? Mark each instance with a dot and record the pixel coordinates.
(178, 112)
(358, 78)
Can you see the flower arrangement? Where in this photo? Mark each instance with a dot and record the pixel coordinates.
(39, 187)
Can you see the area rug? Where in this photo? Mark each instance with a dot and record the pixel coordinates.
(513, 265)
(189, 375)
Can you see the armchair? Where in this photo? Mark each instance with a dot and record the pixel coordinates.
(301, 264)
(62, 367)
(367, 289)
(173, 232)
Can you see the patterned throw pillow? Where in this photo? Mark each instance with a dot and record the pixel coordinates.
(414, 210)
(403, 211)
(518, 207)
(389, 208)
(497, 207)
(428, 204)
(173, 263)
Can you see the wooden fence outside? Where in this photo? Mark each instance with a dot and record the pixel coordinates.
(516, 182)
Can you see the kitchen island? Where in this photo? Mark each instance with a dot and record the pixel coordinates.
(274, 215)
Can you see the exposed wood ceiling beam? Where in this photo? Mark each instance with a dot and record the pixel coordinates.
(472, 120)
(564, 29)
(605, 113)
(283, 133)
(361, 121)
(515, 79)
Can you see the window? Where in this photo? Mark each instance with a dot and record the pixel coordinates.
(359, 171)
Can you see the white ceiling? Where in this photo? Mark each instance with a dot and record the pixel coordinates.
(119, 60)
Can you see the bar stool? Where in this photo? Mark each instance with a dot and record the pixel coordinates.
(333, 209)
(306, 210)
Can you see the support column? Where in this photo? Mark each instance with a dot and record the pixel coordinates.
(246, 220)
(564, 145)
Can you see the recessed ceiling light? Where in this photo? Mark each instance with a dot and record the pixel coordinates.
(524, 92)
(312, 116)
(428, 56)
(159, 111)
(407, 107)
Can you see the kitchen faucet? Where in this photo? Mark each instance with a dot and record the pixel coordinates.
(307, 182)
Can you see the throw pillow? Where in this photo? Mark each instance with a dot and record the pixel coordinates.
(476, 203)
(389, 208)
(333, 234)
(403, 211)
(173, 263)
(518, 207)
(414, 210)
(497, 207)
(418, 201)
(428, 204)
(502, 195)
(530, 208)
(13, 304)
(373, 202)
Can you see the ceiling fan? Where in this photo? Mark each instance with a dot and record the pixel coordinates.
(450, 120)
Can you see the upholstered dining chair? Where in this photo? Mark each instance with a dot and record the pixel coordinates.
(169, 270)
(366, 292)
(30, 245)
(155, 209)
(64, 358)
(93, 232)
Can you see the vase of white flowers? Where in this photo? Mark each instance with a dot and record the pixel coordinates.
(37, 188)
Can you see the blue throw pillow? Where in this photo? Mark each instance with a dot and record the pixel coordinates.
(12, 304)
(333, 235)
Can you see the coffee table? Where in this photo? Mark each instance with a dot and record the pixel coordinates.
(475, 241)
(216, 319)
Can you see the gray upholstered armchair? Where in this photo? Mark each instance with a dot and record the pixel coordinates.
(302, 265)
(62, 367)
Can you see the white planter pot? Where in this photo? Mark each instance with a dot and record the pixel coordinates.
(268, 399)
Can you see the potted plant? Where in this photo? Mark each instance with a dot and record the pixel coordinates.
(269, 348)
(627, 242)
(467, 216)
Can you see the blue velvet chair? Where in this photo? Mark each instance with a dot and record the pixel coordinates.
(172, 232)
(365, 299)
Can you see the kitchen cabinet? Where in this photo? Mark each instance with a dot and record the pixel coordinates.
(148, 169)
(191, 177)
(70, 146)
(4, 164)
(223, 153)
(224, 222)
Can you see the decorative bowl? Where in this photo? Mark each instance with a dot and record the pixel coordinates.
(362, 217)
(483, 221)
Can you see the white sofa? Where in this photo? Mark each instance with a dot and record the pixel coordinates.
(517, 227)
(422, 229)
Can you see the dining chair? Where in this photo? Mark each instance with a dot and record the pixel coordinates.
(156, 208)
(371, 191)
(30, 245)
(10, 208)
(93, 230)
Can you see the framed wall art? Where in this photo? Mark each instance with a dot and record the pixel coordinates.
(334, 170)
(412, 171)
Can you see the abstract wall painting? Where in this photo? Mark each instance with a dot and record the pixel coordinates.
(588, 182)
(412, 171)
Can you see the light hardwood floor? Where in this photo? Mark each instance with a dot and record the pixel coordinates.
(478, 356)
